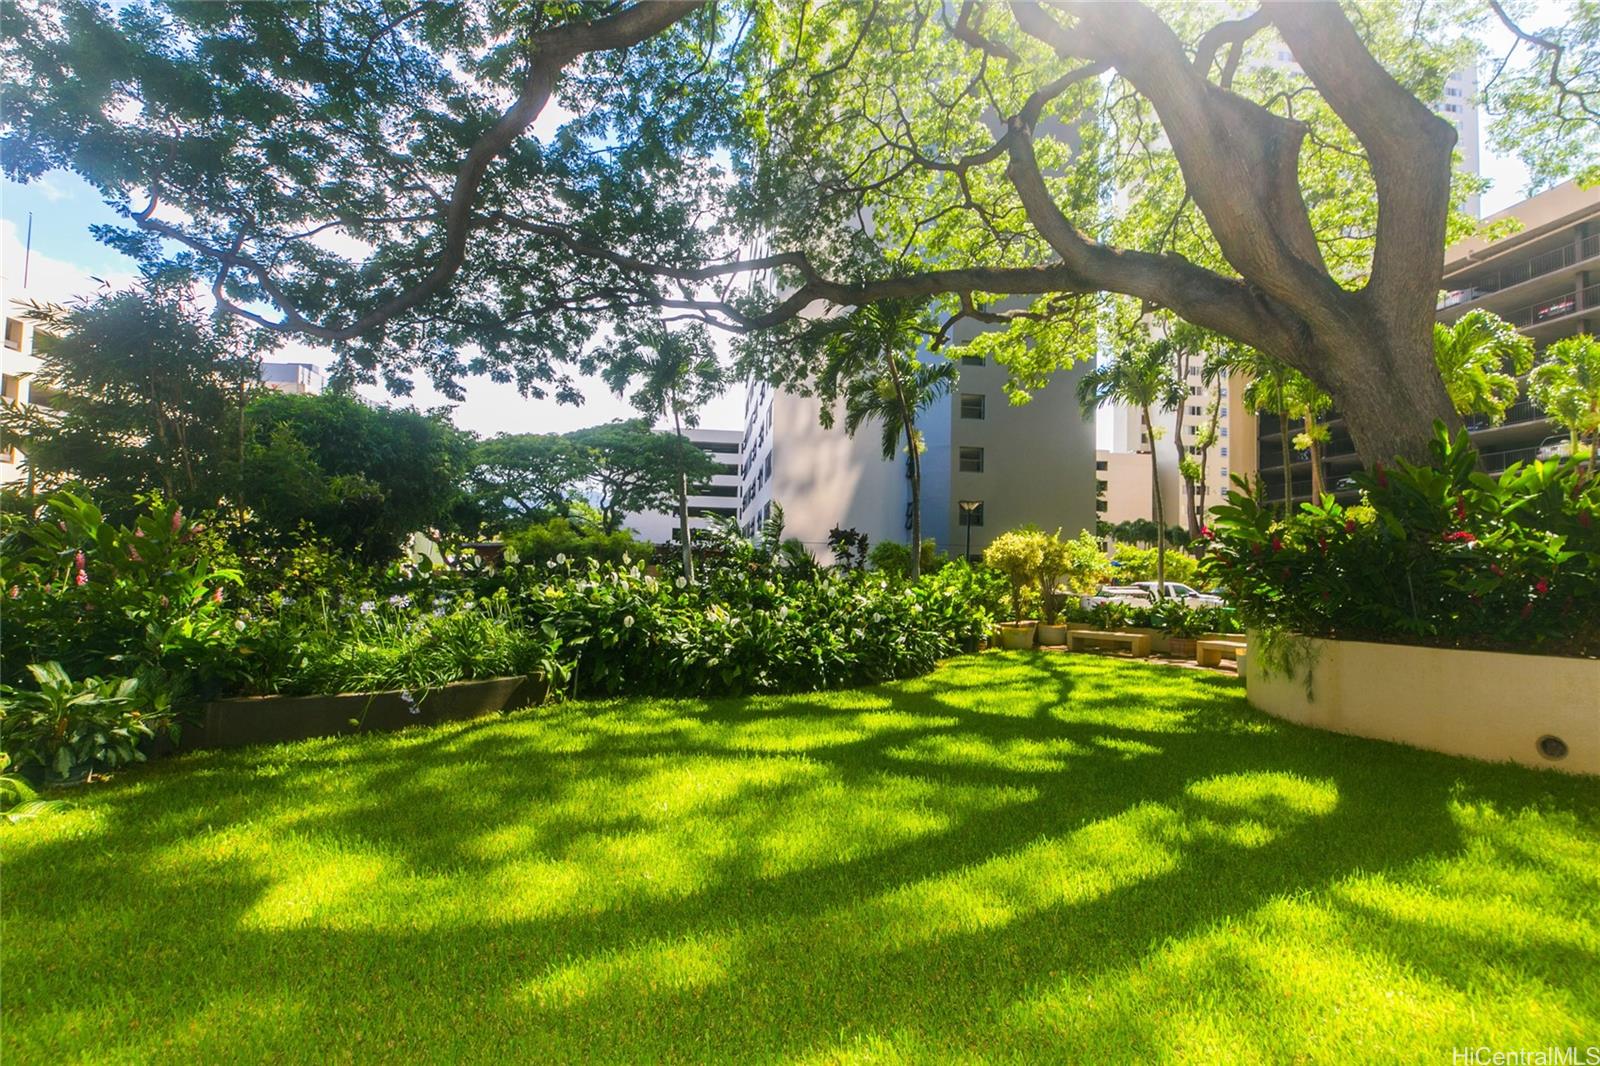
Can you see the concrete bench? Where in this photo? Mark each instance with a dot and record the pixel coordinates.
(1138, 643)
(1211, 652)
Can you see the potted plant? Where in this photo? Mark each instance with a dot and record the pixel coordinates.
(1017, 555)
(1054, 557)
(1182, 626)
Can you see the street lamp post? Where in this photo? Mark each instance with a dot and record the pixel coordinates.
(968, 509)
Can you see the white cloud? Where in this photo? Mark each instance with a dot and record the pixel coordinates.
(48, 280)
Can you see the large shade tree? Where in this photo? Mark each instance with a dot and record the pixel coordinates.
(370, 177)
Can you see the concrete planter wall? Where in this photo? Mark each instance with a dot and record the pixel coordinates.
(271, 719)
(1525, 709)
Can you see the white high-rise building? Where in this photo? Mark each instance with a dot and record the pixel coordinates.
(18, 366)
(721, 497)
(1011, 465)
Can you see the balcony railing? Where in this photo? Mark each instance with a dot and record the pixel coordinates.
(1519, 412)
(1526, 269)
(1554, 307)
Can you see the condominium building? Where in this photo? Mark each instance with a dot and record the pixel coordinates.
(987, 466)
(721, 497)
(1544, 279)
(18, 366)
(301, 379)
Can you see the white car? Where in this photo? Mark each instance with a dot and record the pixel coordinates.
(1129, 594)
(1554, 448)
(1184, 594)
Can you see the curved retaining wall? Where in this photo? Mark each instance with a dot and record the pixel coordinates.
(1487, 705)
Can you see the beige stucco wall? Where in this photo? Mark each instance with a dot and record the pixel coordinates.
(1488, 705)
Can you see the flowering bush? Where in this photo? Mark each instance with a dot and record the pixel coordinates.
(109, 600)
(1439, 554)
(64, 726)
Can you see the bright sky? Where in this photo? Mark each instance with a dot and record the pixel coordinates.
(67, 262)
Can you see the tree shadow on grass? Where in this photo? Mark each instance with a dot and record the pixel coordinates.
(1126, 827)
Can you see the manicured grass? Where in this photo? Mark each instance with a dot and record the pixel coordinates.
(1019, 857)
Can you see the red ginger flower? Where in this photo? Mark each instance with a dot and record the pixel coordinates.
(1541, 586)
(1461, 536)
(1349, 525)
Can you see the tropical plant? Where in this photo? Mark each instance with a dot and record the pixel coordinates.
(677, 374)
(872, 364)
(18, 800)
(560, 539)
(1438, 554)
(1481, 356)
(849, 547)
(1139, 375)
(1303, 399)
(1566, 385)
(103, 599)
(1018, 554)
(1078, 563)
(1141, 564)
(66, 726)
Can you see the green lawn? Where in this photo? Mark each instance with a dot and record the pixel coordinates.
(1019, 857)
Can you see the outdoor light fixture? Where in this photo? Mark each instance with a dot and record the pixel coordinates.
(1552, 747)
(968, 509)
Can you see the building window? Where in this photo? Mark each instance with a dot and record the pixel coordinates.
(14, 334)
(1101, 506)
(1224, 394)
(972, 460)
(10, 387)
(1196, 409)
(1222, 412)
(1451, 90)
(1195, 390)
(972, 405)
(1224, 430)
(1224, 473)
(972, 360)
(1100, 464)
(970, 516)
(1452, 108)
(1099, 486)
(1224, 451)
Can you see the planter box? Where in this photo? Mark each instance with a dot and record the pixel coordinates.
(271, 719)
(1017, 636)
(1052, 635)
(1484, 704)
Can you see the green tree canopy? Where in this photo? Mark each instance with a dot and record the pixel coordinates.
(145, 391)
(364, 477)
(369, 178)
(634, 468)
(522, 478)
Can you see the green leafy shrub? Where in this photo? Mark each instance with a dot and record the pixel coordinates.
(64, 726)
(893, 558)
(1139, 564)
(1018, 555)
(1439, 554)
(104, 599)
(543, 542)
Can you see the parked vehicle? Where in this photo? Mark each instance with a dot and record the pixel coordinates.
(1554, 447)
(1187, 595)
(1129, 594)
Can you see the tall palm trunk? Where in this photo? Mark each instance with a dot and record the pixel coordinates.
(1316, 462)
(1161, 515)
(683, 503)
(907, 422)
(1288, 482)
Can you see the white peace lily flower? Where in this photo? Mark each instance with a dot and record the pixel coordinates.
(627, 621)
(681, 582)
(561, 557)
(783, 612)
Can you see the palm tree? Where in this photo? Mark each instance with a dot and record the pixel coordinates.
(1566, 386)
(1268, 393)
(1139, 376)
(871, 363)
(678, 374)
(1305, 401)
(1480, 359)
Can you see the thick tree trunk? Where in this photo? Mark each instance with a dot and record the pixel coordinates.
(1389, 402)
